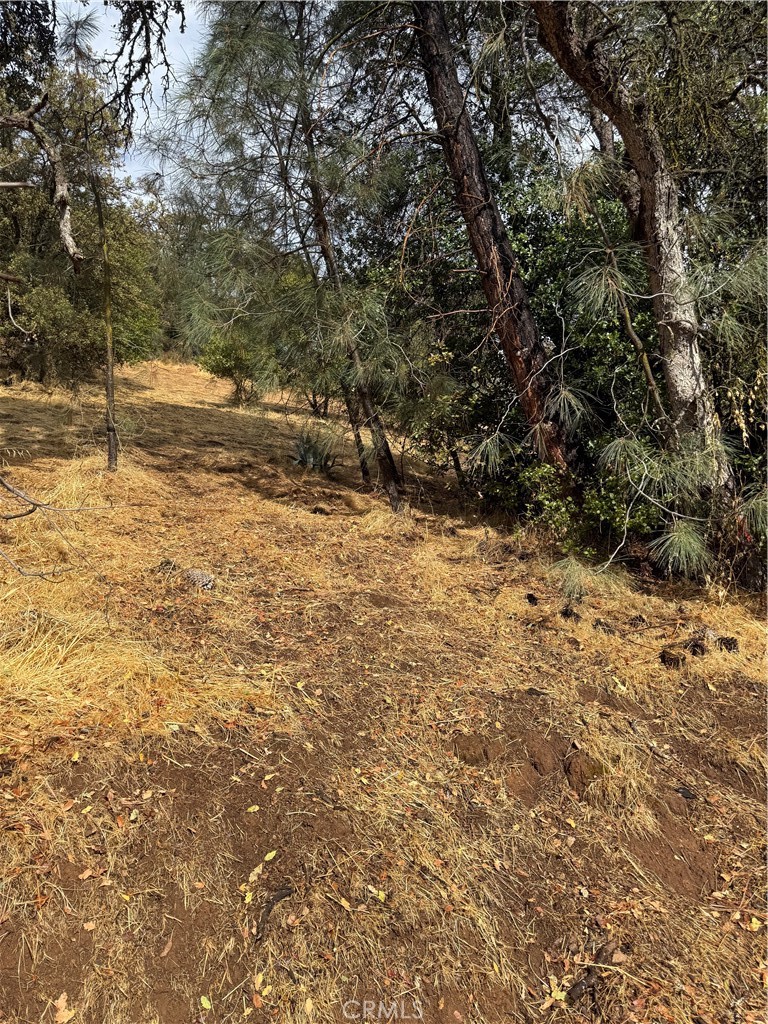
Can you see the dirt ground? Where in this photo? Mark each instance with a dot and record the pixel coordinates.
(380, 770)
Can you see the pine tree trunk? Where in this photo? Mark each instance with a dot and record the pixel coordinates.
(458, 469)
(109, 367)
(504, 290)
(109, 356)
(354, 422)
(388, 475)
(654, 212)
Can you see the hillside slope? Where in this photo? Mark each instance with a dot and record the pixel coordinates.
(375, 762)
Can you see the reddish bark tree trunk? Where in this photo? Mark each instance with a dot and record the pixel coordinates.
(504, 290)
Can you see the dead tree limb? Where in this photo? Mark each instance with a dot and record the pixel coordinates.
(585, 984)
(26, 121)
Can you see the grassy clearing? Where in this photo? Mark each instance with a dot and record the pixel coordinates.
(467, 794)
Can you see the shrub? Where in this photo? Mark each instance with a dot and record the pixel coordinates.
(314, 450)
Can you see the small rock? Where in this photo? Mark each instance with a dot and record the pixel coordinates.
(685, 793)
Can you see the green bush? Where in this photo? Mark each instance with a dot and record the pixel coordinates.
(61, 343)
(544, 502)
(230, 359)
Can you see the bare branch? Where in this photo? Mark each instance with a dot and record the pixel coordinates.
(25, 121)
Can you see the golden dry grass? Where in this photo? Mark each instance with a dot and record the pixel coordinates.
(467, 794)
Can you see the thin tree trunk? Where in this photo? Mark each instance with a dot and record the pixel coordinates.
(109, 369)
(109, 354)
(657, 215)
(354, 422)
(634, 337)
(504, 290)
(388, 475)
(458, 469)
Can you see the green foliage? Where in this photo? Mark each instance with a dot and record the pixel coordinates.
(682, 548)
(487, 454)
(27, 48)
(604, 284)
(314, 449)
(753, 508)
(253, 290)
(610, 507)
(227, 356)
(55, 330)
(64, 341)
(545, 504)
(572, 406)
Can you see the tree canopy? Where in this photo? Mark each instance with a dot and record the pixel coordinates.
(523, 241)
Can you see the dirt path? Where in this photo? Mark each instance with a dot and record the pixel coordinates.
(375, 763)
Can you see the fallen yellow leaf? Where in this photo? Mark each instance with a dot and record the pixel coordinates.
(63, 1015)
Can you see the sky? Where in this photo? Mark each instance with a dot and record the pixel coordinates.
(181, 49)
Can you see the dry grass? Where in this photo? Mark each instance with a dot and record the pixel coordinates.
(467, 793)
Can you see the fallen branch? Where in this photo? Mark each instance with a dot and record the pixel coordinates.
(25, 498)
(45, 574)
(29, 506)
(10, 313)
(269, 906)
(587, 983)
